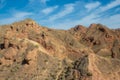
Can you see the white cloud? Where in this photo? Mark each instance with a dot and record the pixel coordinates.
(15, 17)
(112, 21)
(117, 10)
(110, 5)
(95, 17)
(91, 6)
(68, 8)
(38, 2)
(92, 18)
(49, 10)
(22, 14)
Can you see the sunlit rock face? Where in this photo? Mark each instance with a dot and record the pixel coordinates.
(29, 51)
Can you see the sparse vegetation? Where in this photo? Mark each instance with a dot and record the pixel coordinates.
(89, 74)
(43, 68)
(46, 61)
(34, 52)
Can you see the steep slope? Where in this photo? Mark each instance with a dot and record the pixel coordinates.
(92, 67)
(102, 40)
(29, 51)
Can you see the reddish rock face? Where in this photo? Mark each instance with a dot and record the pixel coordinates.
(78, 31)
(100, 39)
(80, 28)
(32, 52)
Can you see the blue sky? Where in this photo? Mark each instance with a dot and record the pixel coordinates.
(62, 14)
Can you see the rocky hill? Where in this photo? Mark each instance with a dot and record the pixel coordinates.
(29, 51)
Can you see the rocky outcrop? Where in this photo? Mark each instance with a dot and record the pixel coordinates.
(101, 40)
(92, 67)
(29, 51)
(78, 31)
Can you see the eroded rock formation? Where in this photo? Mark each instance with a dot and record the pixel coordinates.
(29, 51)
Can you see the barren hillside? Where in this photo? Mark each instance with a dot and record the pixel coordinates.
(29, 51)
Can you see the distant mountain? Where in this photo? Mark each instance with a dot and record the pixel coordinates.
(29, 51)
